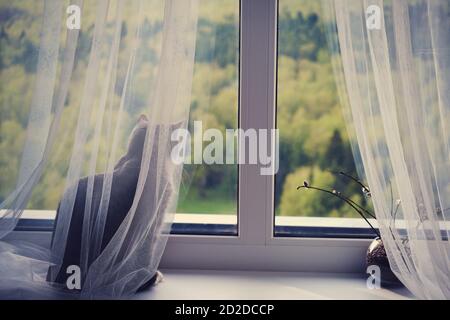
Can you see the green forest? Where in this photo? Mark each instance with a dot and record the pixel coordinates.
(313, 137)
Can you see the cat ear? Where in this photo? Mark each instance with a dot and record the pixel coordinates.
(142, 118)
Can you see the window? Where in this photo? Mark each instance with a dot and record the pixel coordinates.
(208, 194)
(209, 191)
(247, 75)
(314, 145)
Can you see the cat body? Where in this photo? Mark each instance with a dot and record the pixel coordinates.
(123, 188)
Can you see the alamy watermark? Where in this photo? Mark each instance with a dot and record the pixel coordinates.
(253, 147)
(73, 281)
(374, 279)
(73, 21)
(373, 17)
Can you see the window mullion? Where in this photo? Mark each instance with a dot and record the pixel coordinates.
(257, 101)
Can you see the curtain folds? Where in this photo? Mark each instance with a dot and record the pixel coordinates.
(395, 88)
(113, 81)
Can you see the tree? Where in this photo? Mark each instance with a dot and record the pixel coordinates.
(307, 202)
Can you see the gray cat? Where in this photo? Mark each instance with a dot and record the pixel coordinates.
(123, 189)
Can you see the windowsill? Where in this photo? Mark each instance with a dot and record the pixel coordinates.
(253, 285)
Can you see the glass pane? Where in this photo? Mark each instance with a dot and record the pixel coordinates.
(206, 189)
(314, 145)
(212, 188)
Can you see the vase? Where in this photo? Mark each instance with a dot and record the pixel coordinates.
(376, 255)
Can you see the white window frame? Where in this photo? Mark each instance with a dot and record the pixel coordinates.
(255, 247)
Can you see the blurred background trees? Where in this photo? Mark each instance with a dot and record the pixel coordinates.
(313, 139)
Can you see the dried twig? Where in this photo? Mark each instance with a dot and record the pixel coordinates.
(351, 203)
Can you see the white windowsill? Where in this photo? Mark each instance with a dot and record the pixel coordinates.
(252, 285)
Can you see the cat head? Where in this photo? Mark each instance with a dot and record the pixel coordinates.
(137, 138)
(138, 135)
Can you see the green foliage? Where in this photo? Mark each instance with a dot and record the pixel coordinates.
(313, 203)
(338, 155)
(222, 37)
(11, 139)
(312, 131)
(307, 202)
(298, 31)
(313, 143)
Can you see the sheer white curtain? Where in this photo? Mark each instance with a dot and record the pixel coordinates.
(395, 85)
(131, 57)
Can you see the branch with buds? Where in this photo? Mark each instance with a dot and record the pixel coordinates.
(360, 210)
